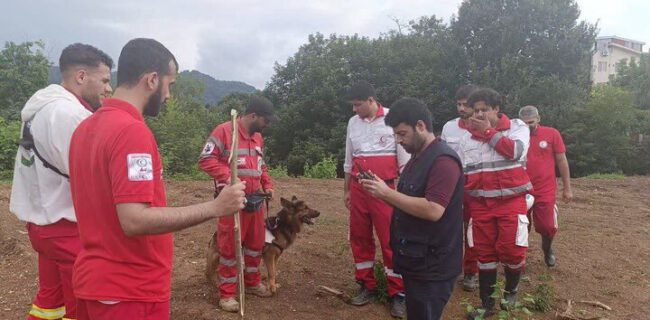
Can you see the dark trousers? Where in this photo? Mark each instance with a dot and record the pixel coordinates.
(426, 299)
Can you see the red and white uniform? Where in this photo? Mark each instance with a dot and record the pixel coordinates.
(252, 169)
(545, 143)
(41, 198)
(495, 187)
(114, 159)
(452, 133)
(370, 144)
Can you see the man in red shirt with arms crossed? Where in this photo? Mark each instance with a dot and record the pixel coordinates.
(546, 151)
(124, 268)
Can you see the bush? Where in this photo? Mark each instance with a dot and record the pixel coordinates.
(278, 172)
(325, 169)
(606, 176)
(9, 134)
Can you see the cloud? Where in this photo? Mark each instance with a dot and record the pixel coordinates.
(241, 40)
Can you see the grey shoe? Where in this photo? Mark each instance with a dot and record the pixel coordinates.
(363, 297)
(398, 307)
(470, 282)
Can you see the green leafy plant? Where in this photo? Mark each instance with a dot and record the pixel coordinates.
(325, 169)
(279, 171)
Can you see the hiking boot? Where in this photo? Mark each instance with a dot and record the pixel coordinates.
(511, 287)
(259, 290)
(398, 307)
(229, 304)
(470, 282)
(363, 297)
(486, 282)
(549, 256)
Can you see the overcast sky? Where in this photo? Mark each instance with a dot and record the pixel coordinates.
(241, 40)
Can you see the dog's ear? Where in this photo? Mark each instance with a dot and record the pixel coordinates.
(286, 203)
(294, 198)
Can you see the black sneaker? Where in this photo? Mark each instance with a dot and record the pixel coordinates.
(363, 297)
(398, 307)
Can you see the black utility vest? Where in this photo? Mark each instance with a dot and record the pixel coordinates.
(423, 249)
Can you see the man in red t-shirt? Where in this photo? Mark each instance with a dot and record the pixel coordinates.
(124, 268)
(545, 153)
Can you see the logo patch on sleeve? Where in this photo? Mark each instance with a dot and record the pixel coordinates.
(208, 148)
(140, 167)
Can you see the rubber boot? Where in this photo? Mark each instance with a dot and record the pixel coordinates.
(549, 256)
(486, 282)
(511, 288)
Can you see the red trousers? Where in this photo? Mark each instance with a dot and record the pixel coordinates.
(499, 232)
(470, 259)
(57, 246)
(544, 215)
(252, 235)
(95, 310)
(367, 212)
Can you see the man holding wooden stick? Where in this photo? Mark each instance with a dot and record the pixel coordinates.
(250, 168)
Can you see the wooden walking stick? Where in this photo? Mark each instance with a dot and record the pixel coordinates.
(233, 179)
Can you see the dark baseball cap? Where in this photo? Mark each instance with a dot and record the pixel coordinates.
(263, 107)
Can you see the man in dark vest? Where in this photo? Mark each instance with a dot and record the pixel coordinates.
(427, 225)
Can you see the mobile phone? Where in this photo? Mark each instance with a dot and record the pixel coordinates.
(365, 175)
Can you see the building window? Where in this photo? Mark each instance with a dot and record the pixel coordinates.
(602, 66)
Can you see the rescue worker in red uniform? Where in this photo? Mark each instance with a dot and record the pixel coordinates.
(370, 146)
(546, 151)
(496, 183)
(40, 193)
(452, 132)
(251, 169)
(125, 265)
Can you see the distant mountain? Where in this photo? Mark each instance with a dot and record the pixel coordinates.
(215, 90)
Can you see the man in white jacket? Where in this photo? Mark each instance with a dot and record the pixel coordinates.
(40, 194)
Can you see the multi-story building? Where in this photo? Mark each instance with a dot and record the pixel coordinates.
(609, 52)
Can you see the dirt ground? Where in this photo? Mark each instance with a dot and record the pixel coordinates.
(603, 251)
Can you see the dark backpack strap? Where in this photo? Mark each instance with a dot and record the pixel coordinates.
(27, 142)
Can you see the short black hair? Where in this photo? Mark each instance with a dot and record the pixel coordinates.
(259, 105)
(361, 90)
(490, 96)
(140, 56)
(465, 91)
(409, 111)
(83, 54)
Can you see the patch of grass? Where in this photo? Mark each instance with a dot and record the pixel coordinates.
(606, 176)
(193, 175)
(545, 277)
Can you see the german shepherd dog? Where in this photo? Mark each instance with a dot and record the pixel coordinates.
(281, 231)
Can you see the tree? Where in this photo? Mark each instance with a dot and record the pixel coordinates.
(533, 51)
(9, 134)
(23, 71)
(635, 77)
(310, 88)
(604, 137)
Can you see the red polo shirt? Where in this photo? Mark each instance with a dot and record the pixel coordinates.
(545, 142)
(114, 159)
